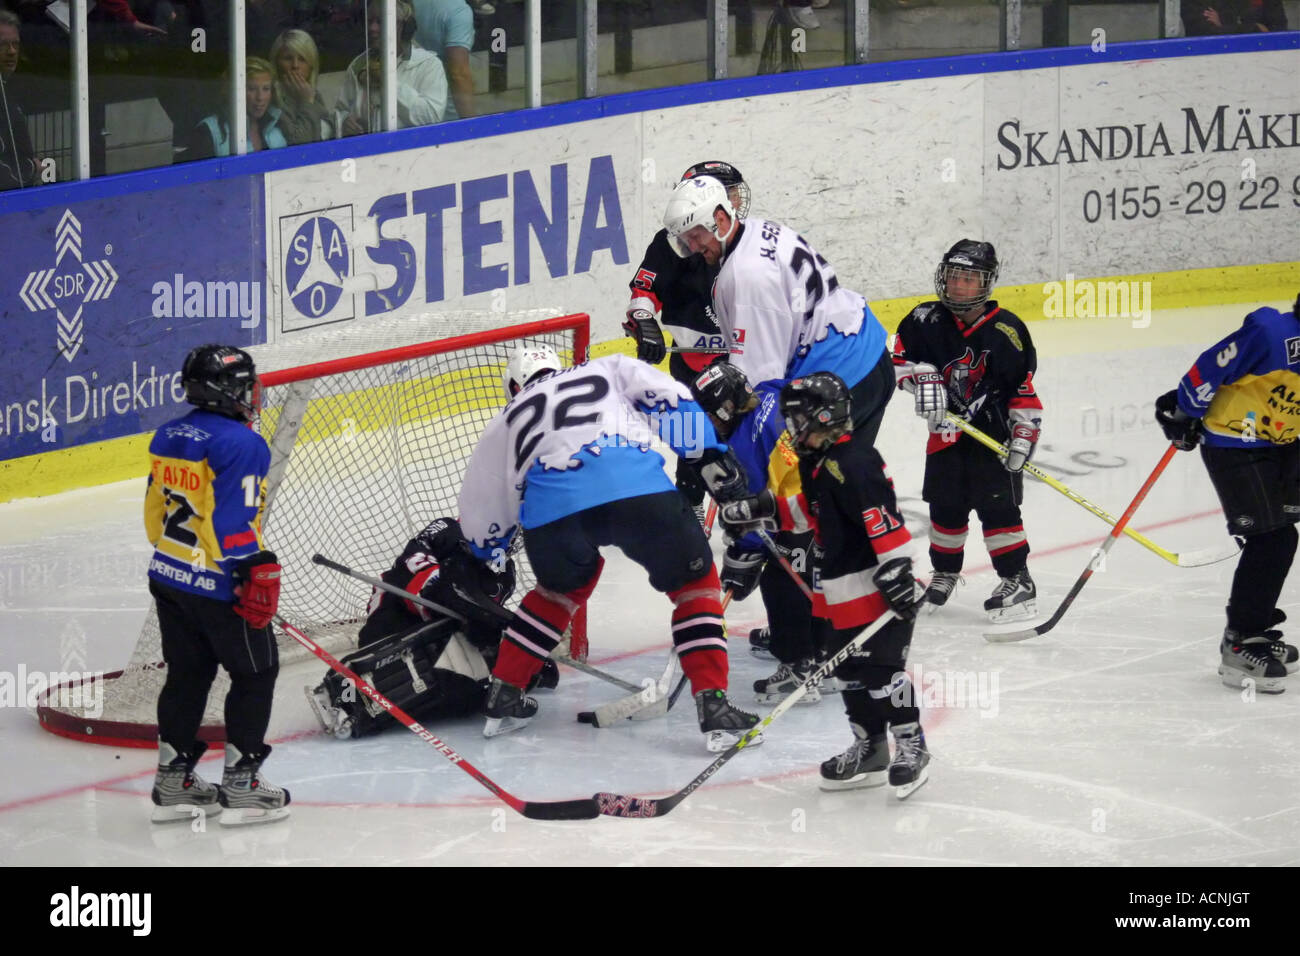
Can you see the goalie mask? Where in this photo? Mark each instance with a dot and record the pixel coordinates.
(965, 277)
(723, 391)
(692, 206)
(816, 407)
(730, 177)
(222, 379)
(528, 362)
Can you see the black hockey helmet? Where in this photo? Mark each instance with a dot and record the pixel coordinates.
(968, 255)
(729, 176)
(222, 379)
(816, 403)
(723, 391)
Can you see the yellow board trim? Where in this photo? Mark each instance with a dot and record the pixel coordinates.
(120, 459)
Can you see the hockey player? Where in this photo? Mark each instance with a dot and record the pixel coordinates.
(863, 571)
(680, 289)
(967, 355)
(779, 304)
(216, 588)
(1240, 401)
(430, 664)
(569, 461)
(750, 421)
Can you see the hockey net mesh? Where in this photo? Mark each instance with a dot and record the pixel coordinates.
(363, 457)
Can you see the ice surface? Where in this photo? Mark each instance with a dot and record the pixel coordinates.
(1108, 741)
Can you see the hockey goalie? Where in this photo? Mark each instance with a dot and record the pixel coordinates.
(431, 665)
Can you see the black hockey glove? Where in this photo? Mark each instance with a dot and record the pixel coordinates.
(741, 569)
(723, 475)
(641, 325)
(895, 582)
(749, 514)
(442, 538)
(1181, 429)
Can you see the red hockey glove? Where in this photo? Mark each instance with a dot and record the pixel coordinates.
(257, 588)
(1024, 437)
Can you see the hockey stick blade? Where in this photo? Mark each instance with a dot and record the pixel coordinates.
(1204, 556)
(434, 606)
(650, 702)
(618, 805)
(533, 809)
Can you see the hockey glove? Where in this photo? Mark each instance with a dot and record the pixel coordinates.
(931, 394)
(1024, 436)
(758, 513)
(257, 588)
(897, 586)
(723, 475)
(740, 571)
(442, 538)
(1179, 427)
(641, 325)
(463, 584)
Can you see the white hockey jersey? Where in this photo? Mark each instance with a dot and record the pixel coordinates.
(785, 312)
(574, 440)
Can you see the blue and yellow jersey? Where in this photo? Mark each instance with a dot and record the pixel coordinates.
(1246, 388)
(763, 446)
(203, 505)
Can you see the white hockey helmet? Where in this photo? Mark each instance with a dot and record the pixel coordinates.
(693, 203)
(526, 363)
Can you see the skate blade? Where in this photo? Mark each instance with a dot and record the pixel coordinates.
(761, 654)
(1236, 680)
(862, 781)
(179, 813)
(907, 789)
(1017, 612)
(719, 740)
(496, 726)
(775, 697)
(248, 816)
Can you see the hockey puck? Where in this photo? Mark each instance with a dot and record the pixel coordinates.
(587, 717)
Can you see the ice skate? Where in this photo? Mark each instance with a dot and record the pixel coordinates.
(760, 644)
(246, 797)
(864, 764)
(177, 790)
(508, 709)
(942, 584)
(771, 690)
(1253, 660)
(721, 723)
(910, 768)
(1014, 599)
(1286, 653)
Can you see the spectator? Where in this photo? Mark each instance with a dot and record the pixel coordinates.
(447, 28)
(304, 117)
(119, 12)
(421, 82)
(1217, 17)
(212, 136)
(17, 157)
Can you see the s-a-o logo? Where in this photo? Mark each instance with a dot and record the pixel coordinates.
(317, 262)
(66, 288)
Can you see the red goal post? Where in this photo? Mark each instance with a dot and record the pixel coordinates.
(366, 449)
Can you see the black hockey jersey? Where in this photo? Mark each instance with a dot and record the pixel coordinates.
(848, 499)
(988, 367)
(681, 291)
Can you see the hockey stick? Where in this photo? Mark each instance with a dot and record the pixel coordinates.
(618, 805)
(690, 350)
(505, 616)
(785, 564)
(645, 705)
(1188, 559)
(534, 810)
(709, 517)
(1098, 557)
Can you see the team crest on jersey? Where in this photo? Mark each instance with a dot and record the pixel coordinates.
(834, 468)
(1293, 350)
(187, 431)
(1010, 333)
(963, 374)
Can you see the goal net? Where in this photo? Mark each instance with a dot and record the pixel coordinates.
(366, 449)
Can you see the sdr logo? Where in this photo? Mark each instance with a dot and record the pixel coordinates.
(316, 264)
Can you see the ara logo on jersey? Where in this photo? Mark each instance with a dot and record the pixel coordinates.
(964, 374)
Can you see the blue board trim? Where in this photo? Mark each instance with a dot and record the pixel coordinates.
(579, 111)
